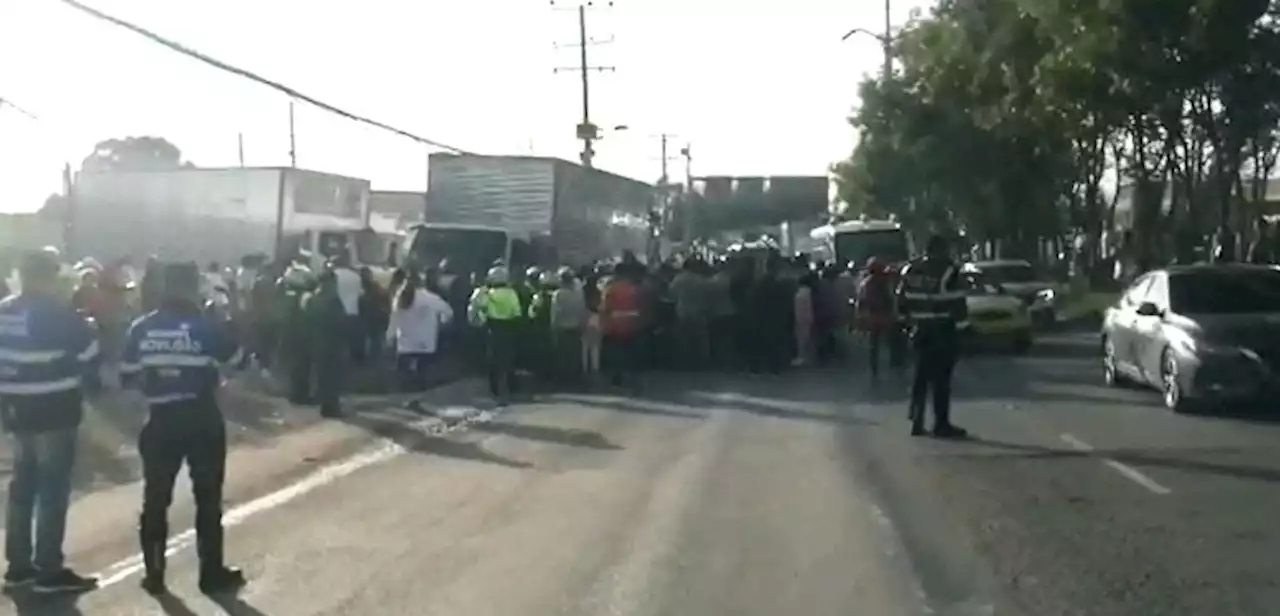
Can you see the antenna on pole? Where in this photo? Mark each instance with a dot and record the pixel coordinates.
(586, 131)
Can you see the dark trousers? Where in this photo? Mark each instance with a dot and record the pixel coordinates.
(190, 432)
(622, 356)
(934, 365)
(414, 370)
(876, 338)
(723, 349)
(503, 342)
(356, 330)
(568, 353)
(316, 374)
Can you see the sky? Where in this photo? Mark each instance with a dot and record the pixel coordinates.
(755, 88)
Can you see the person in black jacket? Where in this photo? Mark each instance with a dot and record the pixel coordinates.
(931, 299)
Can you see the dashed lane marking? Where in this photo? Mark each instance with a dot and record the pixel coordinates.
(1128, 472)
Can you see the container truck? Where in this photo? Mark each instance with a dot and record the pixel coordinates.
(527, 210)
(218, 215)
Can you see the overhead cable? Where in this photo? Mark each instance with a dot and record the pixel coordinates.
(187, 51)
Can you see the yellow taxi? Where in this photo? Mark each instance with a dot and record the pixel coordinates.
(996, 315)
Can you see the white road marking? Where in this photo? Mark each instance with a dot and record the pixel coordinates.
(1128, 472)
(384, 451)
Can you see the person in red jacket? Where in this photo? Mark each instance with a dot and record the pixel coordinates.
(876, 314)
(621, 320)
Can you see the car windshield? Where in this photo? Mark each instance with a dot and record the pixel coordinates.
(467, 250)
(856, 247)
(1225, 292)
(1009, 272)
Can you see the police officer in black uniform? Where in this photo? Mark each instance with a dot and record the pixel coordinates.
(172, 356)
(931, 299)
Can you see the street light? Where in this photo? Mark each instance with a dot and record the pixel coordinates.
(886, 38)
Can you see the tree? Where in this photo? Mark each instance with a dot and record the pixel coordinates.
(1008, 117)
(134, 154)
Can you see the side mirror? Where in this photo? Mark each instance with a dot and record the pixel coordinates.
(1148, 309)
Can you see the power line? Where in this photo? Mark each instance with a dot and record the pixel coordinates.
(187, 51)
(12, 105)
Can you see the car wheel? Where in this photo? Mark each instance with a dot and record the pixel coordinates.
(1110, 375)
(1171, 392)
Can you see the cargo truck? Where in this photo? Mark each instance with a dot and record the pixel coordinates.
(220, 215)
(527, 210)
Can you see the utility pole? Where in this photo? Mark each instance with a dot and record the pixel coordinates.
(240, 147)
(586, 131)
(665, 177)
(687, 153)
(293, 143)
(886, 39)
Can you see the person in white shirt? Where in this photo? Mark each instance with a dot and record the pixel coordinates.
(416, 320)
(350, 288)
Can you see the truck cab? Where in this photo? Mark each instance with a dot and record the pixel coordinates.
(468, 249)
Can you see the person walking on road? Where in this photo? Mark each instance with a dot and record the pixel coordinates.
(418, 316)
(47, 352)
(172, 356)
(621, 316)
(931, 300)
(498, 308)
(876, 311)
(568, 321)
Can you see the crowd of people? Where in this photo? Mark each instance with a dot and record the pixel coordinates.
(530, 330)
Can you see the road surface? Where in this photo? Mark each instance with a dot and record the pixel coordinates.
(729, 495)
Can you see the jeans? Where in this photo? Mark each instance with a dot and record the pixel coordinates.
(39, 495)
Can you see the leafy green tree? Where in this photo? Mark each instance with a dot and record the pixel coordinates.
(134, 154)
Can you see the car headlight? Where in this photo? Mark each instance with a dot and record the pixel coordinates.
(1202, 348)
(1046, 295)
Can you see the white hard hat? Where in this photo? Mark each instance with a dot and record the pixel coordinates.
(497, 275)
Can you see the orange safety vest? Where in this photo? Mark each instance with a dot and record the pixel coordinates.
(621, 308)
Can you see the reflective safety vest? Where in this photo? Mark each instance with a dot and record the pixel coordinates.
(931, 296)
(494, 304)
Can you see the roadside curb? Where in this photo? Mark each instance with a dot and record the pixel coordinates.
(100, 521)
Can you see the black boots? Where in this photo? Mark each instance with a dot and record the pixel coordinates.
(153, 558)
(215, 576)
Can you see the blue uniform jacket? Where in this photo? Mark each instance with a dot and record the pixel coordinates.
(173, 356)
(46, 350)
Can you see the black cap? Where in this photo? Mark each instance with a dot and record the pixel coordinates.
(180, 280)
(43, 264)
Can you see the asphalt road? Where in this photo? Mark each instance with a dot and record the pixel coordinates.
(729, 495)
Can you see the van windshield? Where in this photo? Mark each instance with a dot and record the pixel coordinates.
(856, 247)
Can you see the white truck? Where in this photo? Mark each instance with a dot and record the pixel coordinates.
(527, 210)
(221, 215)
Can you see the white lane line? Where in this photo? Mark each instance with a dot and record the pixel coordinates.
(1128, 472)
(384, 451)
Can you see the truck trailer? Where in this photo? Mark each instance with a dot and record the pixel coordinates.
(214, 214)
(565, 214)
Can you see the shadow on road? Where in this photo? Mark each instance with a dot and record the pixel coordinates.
(233, 605)
(649, 405)
(548, 434)
(417, 441)
(1157, 458)
(173, 605)
(27, 604)
(779, 406)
